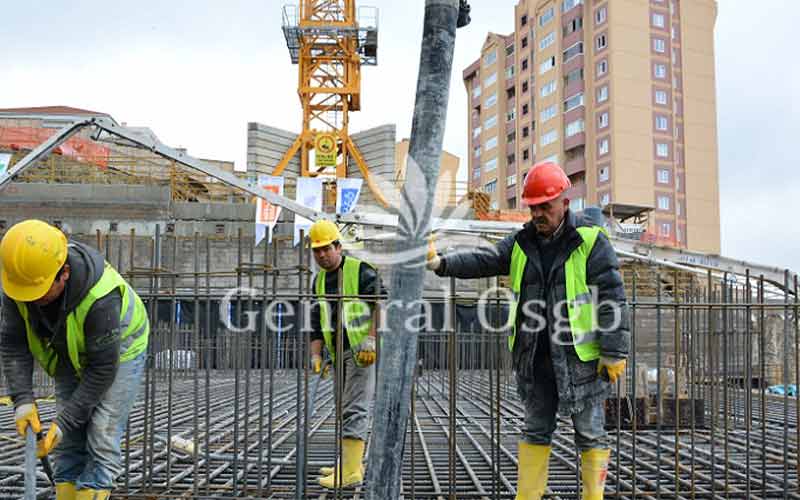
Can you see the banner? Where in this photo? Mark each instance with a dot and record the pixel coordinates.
(347, 191)
(5, 161)
(325, 150)
(309, 194)
(266, 213)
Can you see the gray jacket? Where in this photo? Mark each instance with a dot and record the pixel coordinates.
(577, 382)
(101, 332)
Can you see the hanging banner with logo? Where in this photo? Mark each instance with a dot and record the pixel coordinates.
(266, 213)
(309, 194)
(325, 150)
(347, 191)
(5, 161)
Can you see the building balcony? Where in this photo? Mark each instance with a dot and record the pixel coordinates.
(511, 126)
(575, 141)
(574, 114)
(575, 166)
(511, 192)
(574, 63)
(510, 82)
(476, 102)
(577, 190)
(511, 148)
(572, 38)
(574, 87)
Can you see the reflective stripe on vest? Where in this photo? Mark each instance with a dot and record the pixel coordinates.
(357, 315)
(133, 323)
(581, 310)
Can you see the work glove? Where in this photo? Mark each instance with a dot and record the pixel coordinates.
(433, 260)
(50, 441)
(613, 367)
(316, 363)
(25, 415)
(365, 352)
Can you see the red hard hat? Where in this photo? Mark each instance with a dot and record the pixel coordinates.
(545, 182)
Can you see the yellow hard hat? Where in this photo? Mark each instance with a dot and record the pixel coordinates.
(32, 253)
(323, 232)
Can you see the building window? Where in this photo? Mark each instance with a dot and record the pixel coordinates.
(600, 42)
(678, 234)
(490, 164)
(490, 58)
(574, 127)
(666, 229)
(663, 202)
(602, 94)
(510, 138)
(576, 205)
(573, 51)
(661, 122)
(525, 109)
(658, 20)
(476, 92)
(572, 26)
(491, 100)
(524, 64)
(524, 86)
(603, 175)
(510, 72)
(523, 20)
(573, 102)
(573, 76)
(512, 203)
(661, 97)
(491, 143)
(476, 174)
(476, 131)
(659, 45)
(568, 4)
(547, 40)
(663, 176)
(546, 16)
(524, 42)
(547, 113)
(549, 137)
(511, 180)
(510, 49)
(547, 65)
(659, 70)
(662, 150)
(525, 131)
(601, 15)
(525, 155)
(602, 68)
(490, 186)
(511, 115)
(602, 147)
(510, 159)
(548, 88)
(602, 120)
(605, 199)
(490, 122)
(490, 79)
(477, 151)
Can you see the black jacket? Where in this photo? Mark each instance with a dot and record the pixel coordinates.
(577, 381)
(101, 332)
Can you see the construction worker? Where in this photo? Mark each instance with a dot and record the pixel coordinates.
(570, 325)
(358, 354)
(69, 310)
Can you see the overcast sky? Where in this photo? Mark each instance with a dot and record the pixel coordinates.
(197, 71)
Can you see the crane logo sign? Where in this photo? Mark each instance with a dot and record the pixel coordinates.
(325, 150)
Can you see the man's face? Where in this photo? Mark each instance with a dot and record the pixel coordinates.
(55, 289)
(329, 256)
(547, 216)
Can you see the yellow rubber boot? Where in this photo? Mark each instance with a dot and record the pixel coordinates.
(88, 494)
(65, 491)
(532, 474)
(352, 472)
(327, 471)
(594, 469)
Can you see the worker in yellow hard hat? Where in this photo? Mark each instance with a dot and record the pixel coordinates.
(70, 311)
(358, 355)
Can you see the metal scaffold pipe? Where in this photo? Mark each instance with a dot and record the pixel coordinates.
(399, 347)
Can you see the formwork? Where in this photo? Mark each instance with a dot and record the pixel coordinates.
(227, 371)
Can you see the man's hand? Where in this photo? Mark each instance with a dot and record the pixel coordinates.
(614, 367)
(316, 363)
(365, 352)
(25, 415)
(50, 441)
(433, 259)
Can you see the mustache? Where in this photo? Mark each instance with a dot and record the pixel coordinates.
(540, 220)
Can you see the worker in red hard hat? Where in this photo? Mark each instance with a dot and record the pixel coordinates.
(570, 329)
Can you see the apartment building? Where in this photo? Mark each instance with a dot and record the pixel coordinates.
(620, 93)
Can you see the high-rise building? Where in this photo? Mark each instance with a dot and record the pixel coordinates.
(621, 93)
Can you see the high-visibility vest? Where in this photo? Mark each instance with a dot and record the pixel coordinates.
(357, 315)
(133, 323)
(582, 312)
